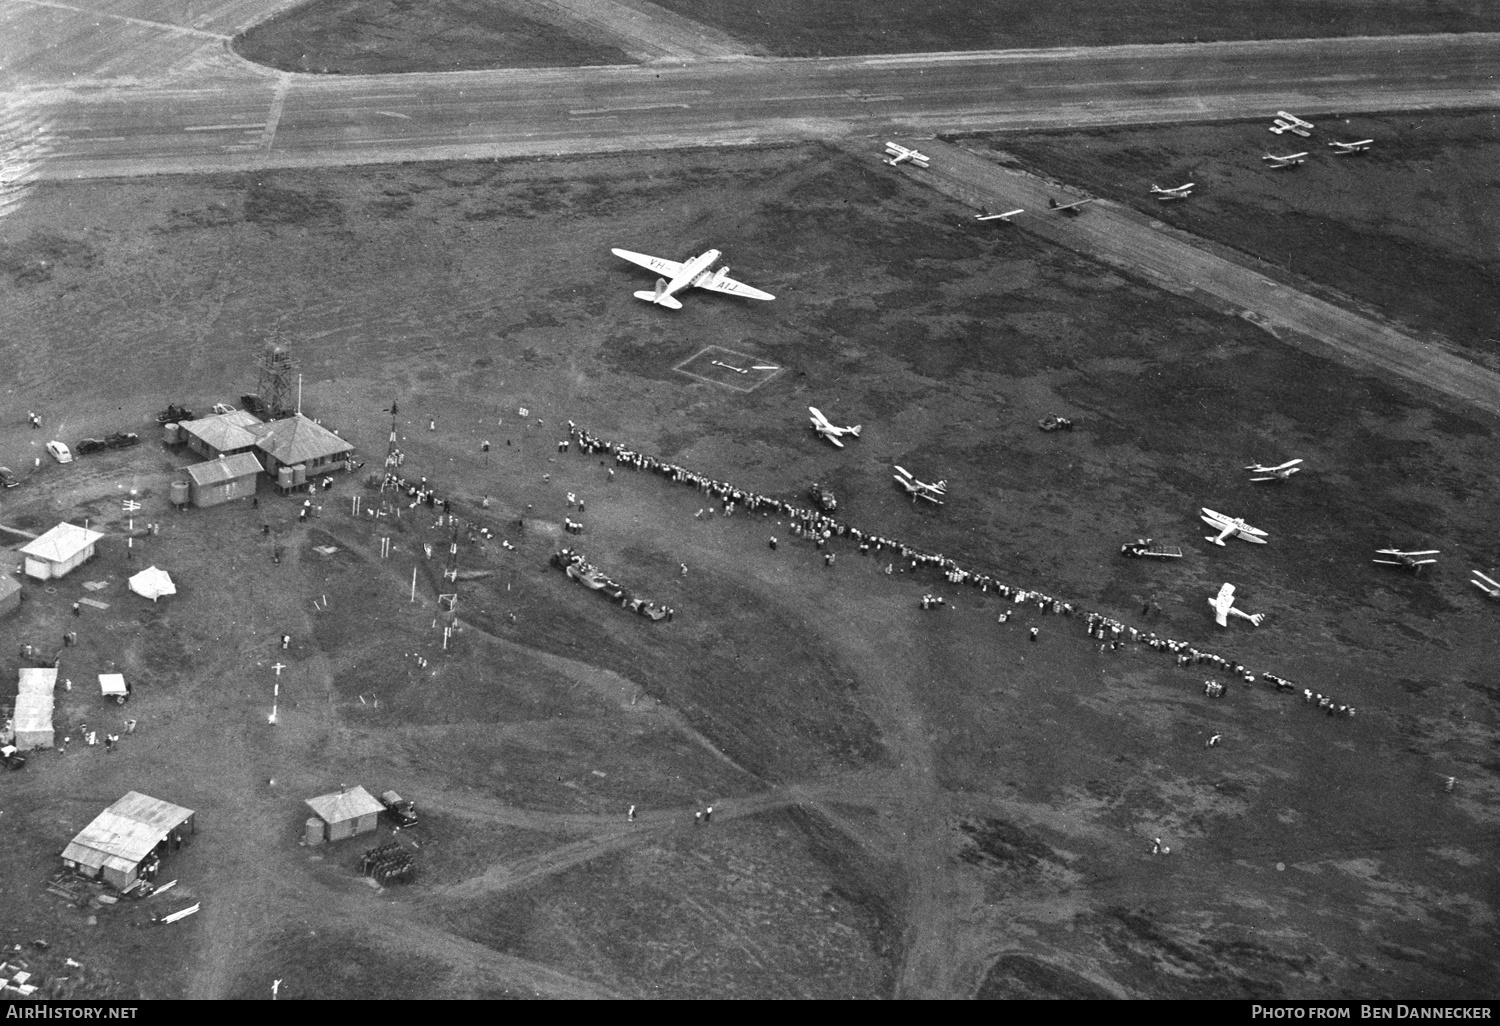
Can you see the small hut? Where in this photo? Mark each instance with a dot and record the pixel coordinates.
(10, 595)
(58, 551)
(346, 813)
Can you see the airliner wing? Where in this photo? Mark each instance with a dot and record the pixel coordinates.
(721, 283)
(669, 268)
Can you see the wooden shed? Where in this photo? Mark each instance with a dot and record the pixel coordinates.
(126, 840)
(58, 551)
(347, 813)
(223, 479)
(223, 434)
(298, 441)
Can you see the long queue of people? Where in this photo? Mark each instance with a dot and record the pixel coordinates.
(820, 528)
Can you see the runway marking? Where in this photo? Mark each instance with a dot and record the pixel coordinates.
(278, 104)
(223, 128)
(185, 30)
(643, 106)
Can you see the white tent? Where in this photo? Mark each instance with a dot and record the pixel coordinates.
(152, 583)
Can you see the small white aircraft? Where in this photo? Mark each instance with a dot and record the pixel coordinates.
(1181, 192)
(985, 215)
(1071, 209)
(1277, 473)
(821, 425)
(1231, 527)
(1290, 160)
(1282, 126)
(900, 154)
(1345, 149)
(1294, 119)
(695, 273)
(1408, 560)
(1486, 584)
(920, 489)
(1223, 606)
(721, 363)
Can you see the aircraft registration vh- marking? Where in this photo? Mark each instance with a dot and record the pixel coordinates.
(695, 272)
(1231, 527)
(821, 425)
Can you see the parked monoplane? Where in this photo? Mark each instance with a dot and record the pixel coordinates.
(933, 493)
(1231, 527)
(821, 425)
(1486, 584)
(1071, 209)
(1277, 473)
(1223, 606)
(695, 272)
(1290, 160)
(1407, 560)
(1346, 149)
(900, 154)
(1179, 193)
(985, 215)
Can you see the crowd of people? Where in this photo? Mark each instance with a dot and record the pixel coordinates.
(821, 529)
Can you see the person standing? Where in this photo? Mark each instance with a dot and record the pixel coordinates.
(631, 814)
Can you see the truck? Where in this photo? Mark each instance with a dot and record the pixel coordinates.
(402, 812)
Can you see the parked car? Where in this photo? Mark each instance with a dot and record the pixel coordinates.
(88, 445)
(59, 451)
(223, 408)
(122, 440)
(823, 498)
(251, 403)
(8, 478)
(10, 758)
(401, 811)
(174, 414)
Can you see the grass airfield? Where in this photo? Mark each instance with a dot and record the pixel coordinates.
(907, 802)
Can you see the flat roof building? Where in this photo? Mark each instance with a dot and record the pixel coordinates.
(34, 705)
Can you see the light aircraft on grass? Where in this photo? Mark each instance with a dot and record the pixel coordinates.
(985, 215)
(1277, 473)
(1285, 122)
(694, 272)
(1345, 149)
(1223, 606)
(1294, 119)
(1071, 209)
(1229, 527)
(1407, 560)
(1486, 584)
(900, 154)
(821, 425)
(1181, 192)
(1282, 126)
(920, 489)
(1290, 160)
